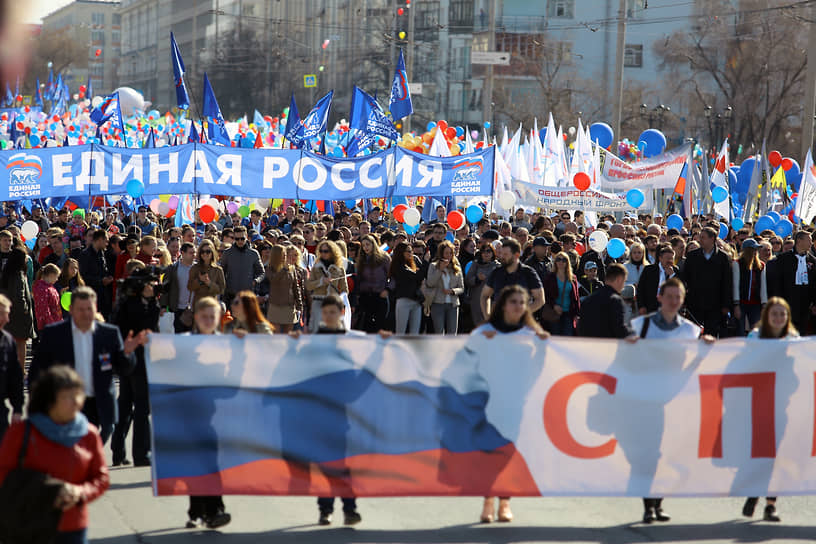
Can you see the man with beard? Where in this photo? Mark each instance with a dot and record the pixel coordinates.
(512, 272)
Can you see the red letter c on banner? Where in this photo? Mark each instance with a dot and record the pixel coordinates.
(555, 414)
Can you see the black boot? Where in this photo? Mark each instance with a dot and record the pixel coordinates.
(770, 513)
(660, 515)
(649, 514)
(749, 506)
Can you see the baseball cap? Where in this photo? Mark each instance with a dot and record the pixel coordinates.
(541, 241)
(749, 243)
(590, 265)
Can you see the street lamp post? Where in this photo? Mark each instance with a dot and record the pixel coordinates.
(722, 121)
(656, 115)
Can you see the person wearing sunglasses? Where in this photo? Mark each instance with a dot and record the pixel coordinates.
(206, 277)
(242, 265)
(328, 277)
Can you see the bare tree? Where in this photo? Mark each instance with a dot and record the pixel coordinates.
(62, 47)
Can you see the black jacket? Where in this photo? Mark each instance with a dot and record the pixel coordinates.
(782, 282)
(11, 374)
(602, 315)
(405, 283)
(708, 282)
(647, 287)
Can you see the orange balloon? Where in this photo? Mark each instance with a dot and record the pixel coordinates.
(443, 125)
(427, 138)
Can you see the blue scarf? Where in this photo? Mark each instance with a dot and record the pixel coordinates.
(67, 435)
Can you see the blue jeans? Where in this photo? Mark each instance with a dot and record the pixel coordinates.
(563, 327)
(751, 313)
(72, 537)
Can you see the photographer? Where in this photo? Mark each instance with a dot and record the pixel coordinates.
(137, 310)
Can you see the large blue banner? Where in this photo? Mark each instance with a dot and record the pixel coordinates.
(255, 173)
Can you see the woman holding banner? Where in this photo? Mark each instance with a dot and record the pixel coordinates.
(510, 315)
(775, 322)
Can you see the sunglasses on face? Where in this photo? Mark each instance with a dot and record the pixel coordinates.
(205, 252)
(240, 239)
(560, 260)
(325, 251)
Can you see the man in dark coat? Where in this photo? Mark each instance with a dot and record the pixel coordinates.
(652, 277)
(95, 350)
(11, 374)
(93, 267)
(794, 279)
(602, 312)
(708, 280)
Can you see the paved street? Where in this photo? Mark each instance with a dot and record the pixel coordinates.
(129, 513)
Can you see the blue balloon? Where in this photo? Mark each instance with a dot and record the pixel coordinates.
(487, 124)
(467, 267)
(795, 170)
(135, 188)
(474, 213)
(723, 231)
(30, 244)
(410, 229)
(602, 133)
(794, 182)
(635, 198)
(775, 216)
(542, 135)
(674, 221)
(449, 237)
(655, 142)
(337, 152)
(719, 194)
(764, 223)
(460, 132)
(732, 181)
(784, 227)
(737, 223)
(615, 248)
(350, 203)
(642, 146)
(430, 126)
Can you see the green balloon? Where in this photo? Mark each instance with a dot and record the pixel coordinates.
(65, 301)
(286, 110)
(243, 211)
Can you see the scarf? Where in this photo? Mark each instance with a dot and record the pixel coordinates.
(66, 435)
(503, 327)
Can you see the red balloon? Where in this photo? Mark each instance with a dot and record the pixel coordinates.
(27, 109)
(19, 98)
(399, 209)
(450, 132)
(456, 220)
(442, 125)
(206, 213)
(787, 164)
(479, 145)
(579, 247)
(775, 158)
(82, 88)
(581, 181)
(98, 52)
(400, 11)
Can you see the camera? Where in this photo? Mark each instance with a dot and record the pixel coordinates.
(134, 284)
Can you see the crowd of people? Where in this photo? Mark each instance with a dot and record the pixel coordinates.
(100, 280)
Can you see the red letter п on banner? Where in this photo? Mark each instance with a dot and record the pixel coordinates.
(555, 414)
(763, 432)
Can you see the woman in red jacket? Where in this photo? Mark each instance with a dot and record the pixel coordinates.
(62, 444)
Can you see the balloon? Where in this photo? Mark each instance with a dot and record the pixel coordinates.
(65, 301)
(442, 125)
(787, 164)
(411, 217)
(615, 248)
(173, 202)
(450, 237)
(450, 132)
(764, 223)
(784, 227)
(206, 213)
(775, 158)
(487, 124)
(642, 146)
(164, 209)
(635, 198)
(430, 126)
(30, 244)
(410, 229)
(507, 199)
(154, 205)
(467, 267)
(602, 133)
(398, 212)
(456, 220)
(655, 142)
(737, 223)
(29, 230)
(350, 204)
(719, 194)
(598, 240)
(232, 207)
(402, 35)
(135, 188)
(474, 213)
(243, 211)
(723, 231)
(674, 221)
(98, 52)
(581, 181)
(130, 101)
(774, 216)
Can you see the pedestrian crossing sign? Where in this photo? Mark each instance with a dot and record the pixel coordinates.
(310, 80)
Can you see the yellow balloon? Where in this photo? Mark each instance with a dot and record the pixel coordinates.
(276, 203)
(402, 35)
(164, 198)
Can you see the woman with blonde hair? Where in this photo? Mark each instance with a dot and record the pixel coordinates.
(327, 277)
(284, 304)
(445, 283)
(206, 277)
(561, 291)
(372, 278)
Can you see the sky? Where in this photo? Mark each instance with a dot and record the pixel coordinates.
(37, 9)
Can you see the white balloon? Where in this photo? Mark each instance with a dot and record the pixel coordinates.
(96, 101)
(130, 101)
(214, 203)
(154, 205)
(411, 217)
(29, 230)
(507, 199)
(164, 208)
(598, 240)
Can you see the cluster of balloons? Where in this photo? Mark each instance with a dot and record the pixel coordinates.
(782, 226)
(421, 143)
(599, 241)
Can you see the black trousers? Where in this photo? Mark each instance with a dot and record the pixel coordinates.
(372, 311)
(4, 418)
(205, 506)
(91, 412)
(134, 406)
(710, 320)
(326, 504)
(652, 503)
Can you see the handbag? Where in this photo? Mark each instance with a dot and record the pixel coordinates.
(547, 314)
(186, 317)
(28, 515)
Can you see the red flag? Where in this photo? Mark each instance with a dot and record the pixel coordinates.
(258, 141)
(720, 166)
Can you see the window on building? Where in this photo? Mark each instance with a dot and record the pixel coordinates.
(460, 15)
(117, 19)
(561, 9)
(98, 18)
(633, 55)
(98, 37)
(116, 36)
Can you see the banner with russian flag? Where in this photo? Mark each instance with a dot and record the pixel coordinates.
(512, 415)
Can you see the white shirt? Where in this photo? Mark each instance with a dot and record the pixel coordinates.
(801, 270)
(663, 277)
(83, 355)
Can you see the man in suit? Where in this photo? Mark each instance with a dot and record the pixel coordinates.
(175, 295)
(652, 277)
(11, 373)
(93, 267)
(708, 278)
(95, 350)
(794, 279)
(602, 312)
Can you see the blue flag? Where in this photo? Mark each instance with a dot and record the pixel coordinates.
(193, 137)
(258, 120)
(58, 89)
(150, 141)
(369, 119)
(49, 86)
(293, 124)
(89, 88)
(17, 88)
(38, 101)
(109, 110)
(400, 103)
(9, 101)
(182, 98)
(217, 125)
(315, 122)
